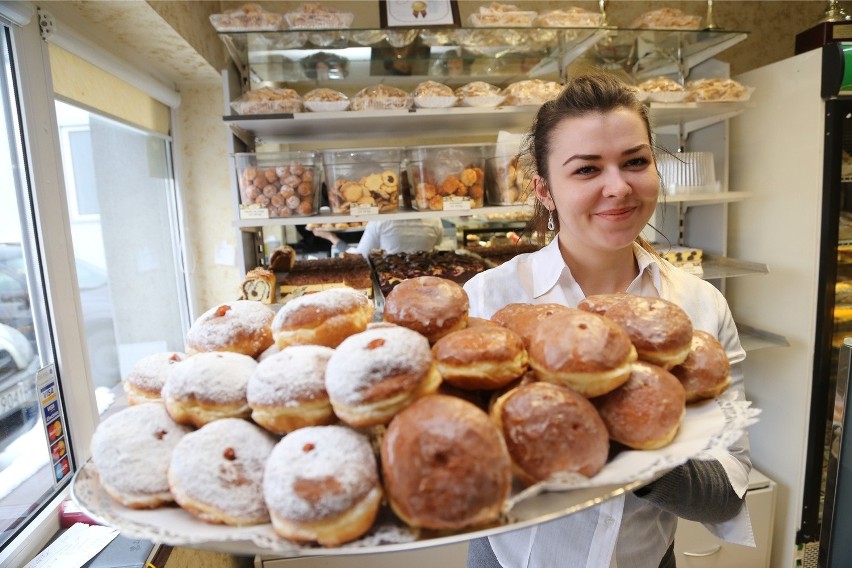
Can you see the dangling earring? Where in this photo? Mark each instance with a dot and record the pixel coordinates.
(550, 225)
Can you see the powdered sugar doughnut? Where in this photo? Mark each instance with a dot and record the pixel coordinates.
(242, 326)
(287, 390)
(131, 451)
(324, 318)
(209, 386)
(148, 375)
(321, 484)
(374, 374)
(216, 472)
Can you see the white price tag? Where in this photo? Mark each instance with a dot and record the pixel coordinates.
(456, 204)
(253, 212)
(358, 210)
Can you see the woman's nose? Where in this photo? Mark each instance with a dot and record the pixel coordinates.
(615, 183)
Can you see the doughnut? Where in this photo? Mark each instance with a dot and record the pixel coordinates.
(146, 378)
(321, 484)
(550, 429)
(480, 357)
(600, 303)
(323, 318)
(645, 412)
(660, 330)
(241, 326)
(374, 374)
(131, 451)
(286, 391)
(429, 305)
(207, 387)
(706, 371)
(523, 318)
(445, 465)
(581, 350)
(216, 472)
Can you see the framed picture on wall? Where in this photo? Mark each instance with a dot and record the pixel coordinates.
(418, 13)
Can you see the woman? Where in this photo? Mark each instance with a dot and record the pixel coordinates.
(596, 185)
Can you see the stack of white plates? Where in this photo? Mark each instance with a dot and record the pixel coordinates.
(687, 172)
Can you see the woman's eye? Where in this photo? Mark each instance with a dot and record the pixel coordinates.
(637, 162)
(586, 170)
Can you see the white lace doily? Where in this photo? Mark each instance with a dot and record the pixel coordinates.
(707, 426)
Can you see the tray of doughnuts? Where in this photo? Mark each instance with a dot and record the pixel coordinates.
(325, 429)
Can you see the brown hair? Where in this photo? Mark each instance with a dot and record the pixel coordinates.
(590, 93)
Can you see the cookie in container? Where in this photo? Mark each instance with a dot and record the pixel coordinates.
(363, 181)
(447, 177)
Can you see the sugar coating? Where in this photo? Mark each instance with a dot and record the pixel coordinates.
(293, 375)
(149, 373)
(331, 301)
(318, 472)
(221, 465)
(214, 377)
(219, 325)
(131, 449)
(366, 358)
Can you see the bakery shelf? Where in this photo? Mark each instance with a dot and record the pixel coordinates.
(372, 124)
(752, 338)
(252, 224)
(498, 54)
(723, 267)
(694, 199)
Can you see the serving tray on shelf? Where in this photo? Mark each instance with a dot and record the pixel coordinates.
(710, 425)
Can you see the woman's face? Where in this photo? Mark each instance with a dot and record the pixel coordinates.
(603, 180)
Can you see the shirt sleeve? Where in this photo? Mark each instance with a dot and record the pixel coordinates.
(370, 239)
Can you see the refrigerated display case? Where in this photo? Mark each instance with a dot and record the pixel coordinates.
(794, 151)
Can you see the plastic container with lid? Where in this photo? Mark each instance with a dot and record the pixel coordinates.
(279, 184)
(363, 181)
(447, 177)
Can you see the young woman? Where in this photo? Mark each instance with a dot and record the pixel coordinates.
(596, 185)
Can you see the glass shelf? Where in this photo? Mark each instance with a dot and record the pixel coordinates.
(402, 57)
(362, 125)
(723, 267)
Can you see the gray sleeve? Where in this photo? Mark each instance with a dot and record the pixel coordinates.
(698, 490)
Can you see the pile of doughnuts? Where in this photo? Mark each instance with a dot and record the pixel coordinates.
(429, 413)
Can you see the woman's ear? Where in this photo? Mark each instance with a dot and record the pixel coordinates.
(542, 193)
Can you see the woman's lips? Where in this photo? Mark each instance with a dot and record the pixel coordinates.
(616, 214)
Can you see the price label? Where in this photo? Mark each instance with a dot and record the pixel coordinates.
(456, 204)
(253, 212)
(358, 210)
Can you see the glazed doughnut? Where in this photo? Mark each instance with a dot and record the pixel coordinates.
(241, 326)
(429, 305)
(374, 374)
(645, 412)
(216, 472)
(550, 429)
(131, 451)
(600, 303)
(523, 318)
(322, 485)
(323, 318)
(581, 350)
(480, 357)
(445, 465)
(660, 330)
(145, 380)
(207, 387)
(287, 390)
(706, 372)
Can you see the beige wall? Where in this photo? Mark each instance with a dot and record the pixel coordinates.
(772, 26)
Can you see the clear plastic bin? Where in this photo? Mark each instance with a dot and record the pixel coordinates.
(507, 182)
(364, 181)
(285, 184)
(447, 177)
